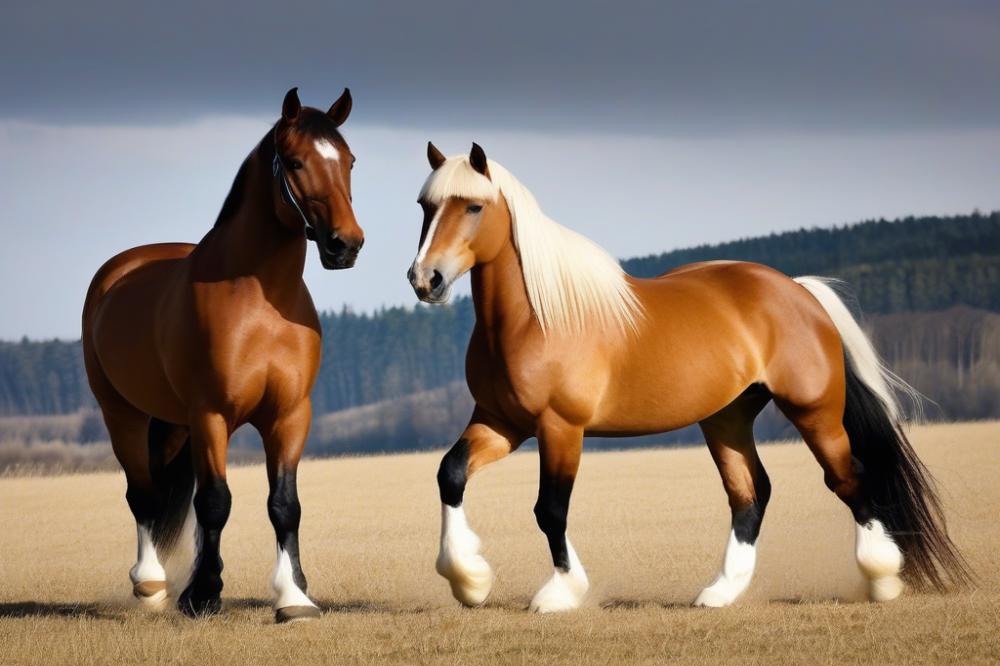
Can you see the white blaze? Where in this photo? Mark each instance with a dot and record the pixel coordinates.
(422, 253)
(327, 150)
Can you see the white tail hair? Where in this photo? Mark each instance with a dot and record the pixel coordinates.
(861, 354)
(572, 283)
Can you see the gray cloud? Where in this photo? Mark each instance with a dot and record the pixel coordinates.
(630, 67)
(110, 188)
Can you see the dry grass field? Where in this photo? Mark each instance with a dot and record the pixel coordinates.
(649, 526)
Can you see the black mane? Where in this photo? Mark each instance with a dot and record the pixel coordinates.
(232, 202)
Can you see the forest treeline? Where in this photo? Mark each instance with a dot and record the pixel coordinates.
(951, 356)
(920, 264)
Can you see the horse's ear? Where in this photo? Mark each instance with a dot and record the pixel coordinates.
(341, 108)
(290, 107)
(434, 156)
(477, 158)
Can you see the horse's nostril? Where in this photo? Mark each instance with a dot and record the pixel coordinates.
(335, 245)
(436, 280)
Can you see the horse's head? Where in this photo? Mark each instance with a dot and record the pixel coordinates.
(312, 168)
(466, 222)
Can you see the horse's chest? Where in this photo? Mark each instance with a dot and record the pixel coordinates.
(248, 350)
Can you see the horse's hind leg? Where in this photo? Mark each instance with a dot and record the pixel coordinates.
(129, 431)
(729, 434)
(821, 426)
(484, 441)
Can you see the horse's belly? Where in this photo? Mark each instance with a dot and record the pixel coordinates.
(670, 385)
(660, 407)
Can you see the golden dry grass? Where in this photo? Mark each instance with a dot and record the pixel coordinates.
(649, 526)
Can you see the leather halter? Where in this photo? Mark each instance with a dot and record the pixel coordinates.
(286, 191)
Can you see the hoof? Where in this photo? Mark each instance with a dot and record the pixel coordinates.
(195, 607)
(711, 598)
(471, 579)
(296, 614)
(564, 592)
(723, 592)
(151, 593)
(885, 588)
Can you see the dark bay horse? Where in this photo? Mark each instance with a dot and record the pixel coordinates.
(184, 343)
(567, 345)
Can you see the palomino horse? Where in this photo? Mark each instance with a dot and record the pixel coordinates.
(184, 343)
(566, 345)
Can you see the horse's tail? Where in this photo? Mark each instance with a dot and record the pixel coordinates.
(174, 481)
(898, 485)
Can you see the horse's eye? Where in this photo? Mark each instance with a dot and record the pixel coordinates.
(474, 208)
(353, 161)
(293, 163)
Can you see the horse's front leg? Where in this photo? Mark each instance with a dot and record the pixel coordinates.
(559, 447)
(283, 444)
(212, 502)
(484, 441)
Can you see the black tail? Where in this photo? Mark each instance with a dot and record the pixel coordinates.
(174, 481)
(901, 491)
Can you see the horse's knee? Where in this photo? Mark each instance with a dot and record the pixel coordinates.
(453, 473)
(212, 504)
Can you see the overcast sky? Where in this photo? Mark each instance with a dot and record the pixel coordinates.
(646, 125)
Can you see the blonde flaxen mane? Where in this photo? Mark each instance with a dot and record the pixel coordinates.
(572, 283)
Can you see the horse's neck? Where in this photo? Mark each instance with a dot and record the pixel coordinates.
(499, 294)
(253, 242)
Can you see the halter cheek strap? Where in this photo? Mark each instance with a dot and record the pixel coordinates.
(286, 192)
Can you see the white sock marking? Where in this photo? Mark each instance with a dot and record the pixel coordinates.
(737, 571)
(565, 590)
(147, 566)
(286, 591)
(459, 560)
(880, 560)
(326, 150)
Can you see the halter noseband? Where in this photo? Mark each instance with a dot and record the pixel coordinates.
(286, 192)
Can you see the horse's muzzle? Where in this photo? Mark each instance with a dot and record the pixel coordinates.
(335, 253)
(429, 285)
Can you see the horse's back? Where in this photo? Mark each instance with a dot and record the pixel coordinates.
(719, 268)
(748, 318)
(124, 263)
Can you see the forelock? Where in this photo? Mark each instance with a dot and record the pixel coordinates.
(457, 178)
(316, 124)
